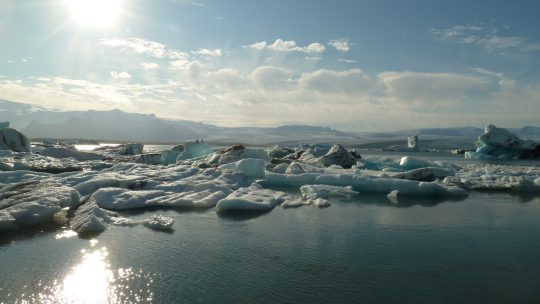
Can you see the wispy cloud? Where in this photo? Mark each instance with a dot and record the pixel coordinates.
(281, 45)
(120, 75)
(143, 47)
(208, 52)
(149, 66)
(347, 60)
(487, 37)
(340, 44)
(187, 2)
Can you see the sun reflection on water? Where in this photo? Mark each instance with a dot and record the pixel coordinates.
(94, 281)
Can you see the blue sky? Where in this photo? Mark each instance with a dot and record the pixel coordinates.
(352, 65)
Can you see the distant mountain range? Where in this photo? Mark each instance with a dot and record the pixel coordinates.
(116, 125)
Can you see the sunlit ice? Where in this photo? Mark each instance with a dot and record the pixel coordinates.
(94, 13)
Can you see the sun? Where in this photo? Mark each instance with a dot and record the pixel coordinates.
(94, 13)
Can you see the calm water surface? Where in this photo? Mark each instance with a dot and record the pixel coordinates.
(484, 249)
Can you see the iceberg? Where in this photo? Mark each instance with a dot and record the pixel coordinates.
(236, 153)
(11, 139)
(33, 202)
(278, 152)
(168, 157)
(499, 143)
(195, 149)
(252, 168)
(67, 153)
(92, 219)
(159, 222)
(336, 155)
(365, 184)
(253, 198)
(133, 149)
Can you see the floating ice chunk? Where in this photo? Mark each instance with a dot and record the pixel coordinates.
(365, 184)
(325, 191)
(252, 168)
(410, 163)
(295, 203)
(320, 202)
(336, 155)
(109, 180)
(120, 198)
(149, 158)
(133, 149)
(67, 153)
(159, 222)
(278, 152)
(192, 199)
(90, 218)
(11, 139)
(393, 196)
(295, 168)
(252, 198)
(499, 143)
(281, 168)
(33, 202)
(168, 157)
(195, 149)
(426, 174)
(236, 153)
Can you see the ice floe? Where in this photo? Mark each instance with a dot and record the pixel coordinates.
(89, 191)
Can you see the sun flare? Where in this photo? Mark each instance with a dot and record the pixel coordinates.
(95, 13)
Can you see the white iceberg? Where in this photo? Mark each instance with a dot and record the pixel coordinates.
(11, 139)
(253, 198)
(253, 168)
(33, 202)
(499, 143)
(236, 153)
(195, 149)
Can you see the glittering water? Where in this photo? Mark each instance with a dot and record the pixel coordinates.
(483, 249)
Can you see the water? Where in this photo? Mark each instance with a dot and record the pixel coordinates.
(483, 249)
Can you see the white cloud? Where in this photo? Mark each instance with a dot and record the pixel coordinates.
(349, 82)
(208, 52)
(487, 37)
(487, 72)
(258, 45)
(194, 70)
(434, 90)
(271, 78)
(149, 65)
(187, 2)
(347, 60)
(340, 44)
(143, 47)
(281, 45)
(120, 75)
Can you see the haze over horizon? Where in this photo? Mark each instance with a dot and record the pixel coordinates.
(349, 65)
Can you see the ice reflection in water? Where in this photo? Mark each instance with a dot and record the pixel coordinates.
(94, 281)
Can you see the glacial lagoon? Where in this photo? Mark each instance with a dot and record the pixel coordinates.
(364, 249)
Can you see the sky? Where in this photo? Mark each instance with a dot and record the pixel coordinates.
(352, 65)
